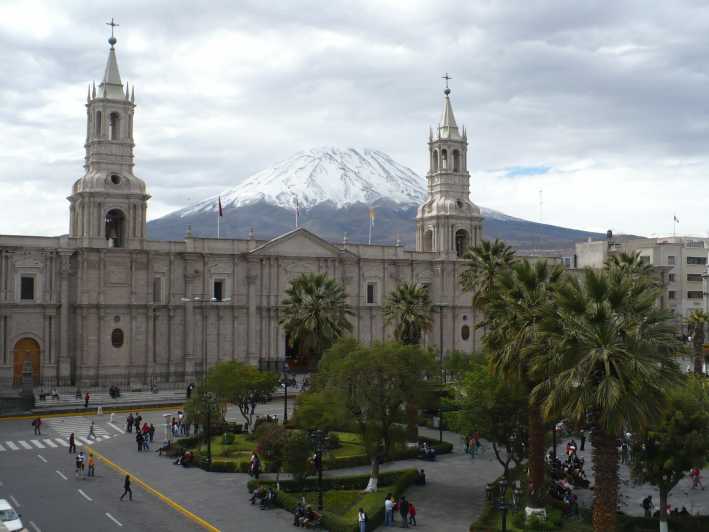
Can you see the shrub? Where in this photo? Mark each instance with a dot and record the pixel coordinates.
(518, 520)
(228, 438)
(554, 518)
(333, 441)
(534, 523)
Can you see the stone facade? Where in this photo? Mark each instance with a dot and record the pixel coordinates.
(104, 304)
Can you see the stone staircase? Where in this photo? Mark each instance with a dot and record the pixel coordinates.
(68, 402)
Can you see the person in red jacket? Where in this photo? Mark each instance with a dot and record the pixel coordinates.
(86, 400)
(412, 514)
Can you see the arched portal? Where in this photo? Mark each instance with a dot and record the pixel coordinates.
(26, 350)
(114, 126)
(428, 240)
(456, 161)
(115, 228)
(461, 242)
(434, 160)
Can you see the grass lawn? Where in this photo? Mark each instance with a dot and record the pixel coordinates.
(344, 503)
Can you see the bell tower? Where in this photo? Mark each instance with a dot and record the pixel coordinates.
(109, 204)
(448, 222)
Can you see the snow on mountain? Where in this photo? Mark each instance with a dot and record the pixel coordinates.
(340, 176)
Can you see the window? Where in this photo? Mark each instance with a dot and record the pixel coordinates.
(645, 259)
(117, 338)
(157, 290)
(27, 288)
(218, 292)
(371, 293)
(695, 294)
(671, 277)
(456, 161)
(115, 228)
(465, 332)
(694, 277)
(671, 260)
(116, 179)
(461, 242)
(434, 160)
(428, 240)
(696, 260)
(98, 123)
(671, 294)
(444, 159)
(114, 126)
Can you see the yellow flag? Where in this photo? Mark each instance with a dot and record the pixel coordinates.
(372, 215)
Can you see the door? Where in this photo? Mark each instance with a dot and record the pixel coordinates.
(26, 349)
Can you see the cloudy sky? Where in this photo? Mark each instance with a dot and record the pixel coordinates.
(601, 106)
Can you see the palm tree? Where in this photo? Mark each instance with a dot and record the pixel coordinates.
(517, 346)
(314, 313)
(613, 359)
(697, 320)
(409, 306)
(487, 262)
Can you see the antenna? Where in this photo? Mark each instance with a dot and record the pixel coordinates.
(541, 205)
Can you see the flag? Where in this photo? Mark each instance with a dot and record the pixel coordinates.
(221, 211)
(372, 215)
(297, 211)
(676, 219)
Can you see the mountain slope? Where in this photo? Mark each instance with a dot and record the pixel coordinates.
(334, 189)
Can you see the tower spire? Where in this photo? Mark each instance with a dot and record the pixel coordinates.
(111, 86)
(448, 127)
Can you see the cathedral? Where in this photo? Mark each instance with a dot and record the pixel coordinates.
(104, 305)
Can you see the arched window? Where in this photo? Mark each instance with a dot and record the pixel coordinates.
(115, 126)
(117, 338)
(115, 228)
(98, 123)
(456, 161)
(428, 240)
(444, 159)
(461, 242)
(465, 332)
(434, 160)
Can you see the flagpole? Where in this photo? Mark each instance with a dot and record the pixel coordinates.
(297, 208)
(218, 223)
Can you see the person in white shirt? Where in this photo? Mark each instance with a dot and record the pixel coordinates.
(362, 520)
(388, 511)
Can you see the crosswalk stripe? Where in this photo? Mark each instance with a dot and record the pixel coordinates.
(116, 427)
(105, 437)
(37, 444)
(50, 443)
(61, 442)
(24, 444)
(2, 448)
(85, 440)
(12, 446)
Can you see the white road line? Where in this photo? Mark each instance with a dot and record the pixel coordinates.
(42, 458)
(61, 474)
(12, 446)
(85, 496)
(37, 444)
(2, 448)
(15, 501)
(119, 429)
(24, 444)
(61, 442)
(113, 519)
(85, 440)
(104, 437)
(36, 528)
(50, 443)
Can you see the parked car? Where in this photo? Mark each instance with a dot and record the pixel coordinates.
(9, 517)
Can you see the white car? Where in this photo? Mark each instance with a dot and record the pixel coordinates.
(9, 517)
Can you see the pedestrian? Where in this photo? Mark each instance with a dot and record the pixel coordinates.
(696, 477)
(126, 489)
(72, 443)
(388, 511)
(92, 434)
(81, 458)
(92, 465)
(362, 520)
(77, 463)
(151, 432)
(647, 506)
(404, 512)
(129, 423)
(37, 423)
(412, 514)
(583, 439)
(86, 400)
(138, 419)
(139, 440)
(189, 390)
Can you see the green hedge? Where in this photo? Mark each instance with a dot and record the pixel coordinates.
(397, 482)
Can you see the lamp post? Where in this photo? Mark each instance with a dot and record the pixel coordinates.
(318, 438)
(285, 396)
(209, 400)
(502, 502)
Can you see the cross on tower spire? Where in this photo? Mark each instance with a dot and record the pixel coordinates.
(113, 25)
(447, 77)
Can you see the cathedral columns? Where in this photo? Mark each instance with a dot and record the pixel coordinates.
(64, 360)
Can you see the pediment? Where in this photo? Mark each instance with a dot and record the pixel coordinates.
(300, 243)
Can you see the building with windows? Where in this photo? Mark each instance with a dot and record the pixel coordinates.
(105, 305)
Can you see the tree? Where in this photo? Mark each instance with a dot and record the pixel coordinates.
(297, 455)
(675, 442)
(373, 384)
(496, 408)
(271, 444)
(320, 409)
(197, 410)
(697, 320)
(518, 347)
(486, 262)
(612, 361)
(457, 364)
(314, 313)
(409, 307)
(240, 384)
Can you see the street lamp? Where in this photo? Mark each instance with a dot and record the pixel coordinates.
(502, 502)
(209, 400)
(286, 376)
(318, 438)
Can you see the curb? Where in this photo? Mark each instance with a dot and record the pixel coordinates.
(90, 411)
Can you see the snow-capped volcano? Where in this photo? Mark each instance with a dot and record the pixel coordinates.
(338, 176)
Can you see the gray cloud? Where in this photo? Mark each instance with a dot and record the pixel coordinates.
(610, 96)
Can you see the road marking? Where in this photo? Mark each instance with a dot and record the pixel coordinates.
(42, 458)
(36, 528)
(119, 429)
(2, 448)
(12, 446)
(50, 443)
(24, 444)
(85, 496)
(37, 444)
(175, 506)
(15, 501)
(113, 519)
(61, 475)
(85, 440)
(61, 442)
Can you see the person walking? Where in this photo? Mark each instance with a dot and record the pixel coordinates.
(138, 419)
(696, 475)
(362, 520)
(72, 443)
(404, 512)
(139, 440)
(77, 463)
(126, 489)
(388, 511)
(86, 400)
(92, 465)
(129, 423)
(412, 514)
(583, 439)
(92, 434)
(647, 506)
(37, 423)
(151, 432)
